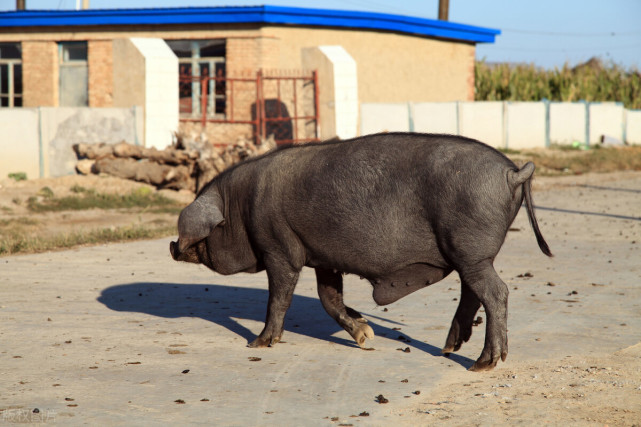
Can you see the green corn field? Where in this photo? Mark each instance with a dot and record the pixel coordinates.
(592, 82)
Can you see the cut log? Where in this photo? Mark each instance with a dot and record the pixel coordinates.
(173, 168)
(85, 166)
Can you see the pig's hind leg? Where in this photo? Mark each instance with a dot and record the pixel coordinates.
(330, 292)
(461, 329)
(492, 292)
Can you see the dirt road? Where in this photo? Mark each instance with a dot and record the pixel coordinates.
(121, 334)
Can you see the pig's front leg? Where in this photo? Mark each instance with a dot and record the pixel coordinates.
(282, 281)
(330, 291)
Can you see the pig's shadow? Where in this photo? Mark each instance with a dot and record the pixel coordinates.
(222, 304)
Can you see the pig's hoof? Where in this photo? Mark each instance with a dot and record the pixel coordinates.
(263, 342)
(447, 350)
(487, 364)
(362, 332)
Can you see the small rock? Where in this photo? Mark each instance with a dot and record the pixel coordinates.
(179, 401)
(254, 359)
(186, 371)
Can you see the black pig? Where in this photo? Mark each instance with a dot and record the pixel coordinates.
(402, 210)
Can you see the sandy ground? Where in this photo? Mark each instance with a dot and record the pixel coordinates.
(122, 335)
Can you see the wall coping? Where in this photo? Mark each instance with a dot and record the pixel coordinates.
(265, 15)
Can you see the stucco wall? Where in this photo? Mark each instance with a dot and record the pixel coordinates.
(391, 67)
(128, 74)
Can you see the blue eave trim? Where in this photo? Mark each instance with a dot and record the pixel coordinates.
(275, 15)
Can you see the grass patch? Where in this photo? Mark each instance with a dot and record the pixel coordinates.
(18, 221)
(142, 198)
(575, 161)
(509, 151)
(17, 243)
(18, 176)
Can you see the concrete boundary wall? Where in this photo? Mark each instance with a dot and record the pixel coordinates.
(38, 141)
(505, 124)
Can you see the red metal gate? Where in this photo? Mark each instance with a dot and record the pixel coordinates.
(279, 103)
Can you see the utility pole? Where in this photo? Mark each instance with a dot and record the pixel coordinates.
(20, 4)
(443, 9)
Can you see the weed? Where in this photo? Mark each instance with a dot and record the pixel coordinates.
(18, 176)
(20, 221)
(45, 192)
(78, 189)
(142, 198)
(13, 244)
(509, 151)
(564, 160)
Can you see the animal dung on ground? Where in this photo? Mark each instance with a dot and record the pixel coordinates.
(381, 399)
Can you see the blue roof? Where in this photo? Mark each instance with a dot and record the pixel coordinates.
(267, 15)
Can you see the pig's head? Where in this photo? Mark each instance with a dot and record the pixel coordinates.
(195, 223)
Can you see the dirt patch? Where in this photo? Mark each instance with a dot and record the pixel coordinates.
(574, 391)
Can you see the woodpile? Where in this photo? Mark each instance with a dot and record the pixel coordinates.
(186, 165)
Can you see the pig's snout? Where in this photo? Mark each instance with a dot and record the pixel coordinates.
(173, 250)
(182, 251)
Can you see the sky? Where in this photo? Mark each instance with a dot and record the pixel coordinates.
(547, 33)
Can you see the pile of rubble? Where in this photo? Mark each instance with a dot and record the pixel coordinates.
(186, 165)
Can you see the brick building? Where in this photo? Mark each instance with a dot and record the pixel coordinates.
(84, 58)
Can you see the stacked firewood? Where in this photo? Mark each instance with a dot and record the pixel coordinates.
(182, 166)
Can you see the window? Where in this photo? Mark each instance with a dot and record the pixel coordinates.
(200, 61)
(73, 74)
(10, 75)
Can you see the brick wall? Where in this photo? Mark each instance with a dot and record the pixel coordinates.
(242, 56)
(40, 73)
(245, 55)
(101, 80)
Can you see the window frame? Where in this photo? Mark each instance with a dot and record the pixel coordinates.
(213, 63)
(11, 93)
(72, 63)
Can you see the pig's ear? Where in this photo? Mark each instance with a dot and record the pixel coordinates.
(199, 219)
